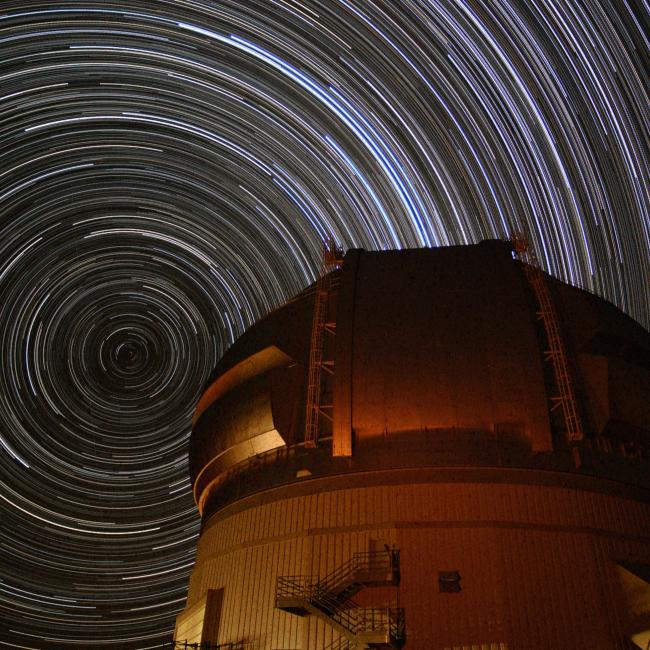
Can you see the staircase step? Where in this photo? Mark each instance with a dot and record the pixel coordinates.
(296, 606)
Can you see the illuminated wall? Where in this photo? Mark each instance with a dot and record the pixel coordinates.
(443, 444)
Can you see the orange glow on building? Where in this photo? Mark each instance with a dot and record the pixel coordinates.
(446, 503)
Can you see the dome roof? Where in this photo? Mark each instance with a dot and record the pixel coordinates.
(436, 357)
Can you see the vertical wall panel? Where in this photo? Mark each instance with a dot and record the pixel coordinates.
(534, 563)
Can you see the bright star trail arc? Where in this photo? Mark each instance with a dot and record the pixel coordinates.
(168, 173)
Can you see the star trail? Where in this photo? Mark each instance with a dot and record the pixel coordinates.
(169, 170)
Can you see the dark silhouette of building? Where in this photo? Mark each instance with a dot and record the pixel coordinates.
(436, 449)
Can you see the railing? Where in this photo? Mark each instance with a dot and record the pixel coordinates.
(376, 620)
(340, 644)
(296, 587)
(363, 564)
(341, 610)
(390, 620)
(203, 645)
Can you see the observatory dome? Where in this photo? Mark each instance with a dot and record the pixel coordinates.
(435, 357)
(454, 408)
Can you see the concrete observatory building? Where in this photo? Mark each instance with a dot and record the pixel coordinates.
(430, 449)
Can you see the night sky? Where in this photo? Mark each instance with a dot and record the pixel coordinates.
(169, 170)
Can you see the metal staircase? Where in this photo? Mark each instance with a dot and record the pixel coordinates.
(330, 599)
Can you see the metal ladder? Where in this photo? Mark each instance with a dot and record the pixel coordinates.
(332, 259)
(556, 352)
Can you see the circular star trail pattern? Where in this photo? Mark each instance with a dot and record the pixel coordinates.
(169, 172)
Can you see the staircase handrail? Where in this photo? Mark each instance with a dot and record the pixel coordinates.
(342, 643)
(355, 618)
(331, 601)
(298, 586)
(339, 574)
(203, 645)
(389, 620)
(360, 561)
(342, 610)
